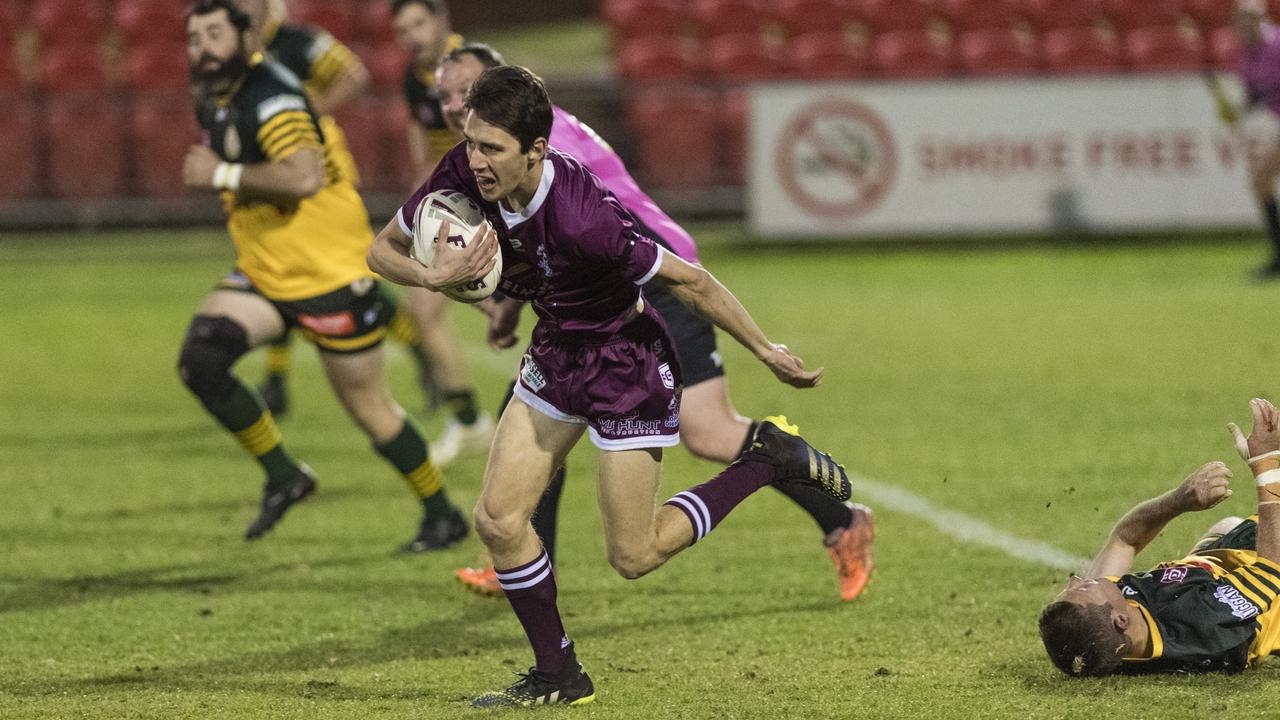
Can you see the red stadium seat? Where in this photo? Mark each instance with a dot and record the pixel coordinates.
(143, 21)
(332, 15)
(731, 17)
(1224, 49)
(361, 123)
(10, 73)
(157, 67)
(1210, 14)
(1164, 49)
(398, 172)
(980, 14)
(675, 130)
(87, 146)
(19, 151)
(162, 128)
(997, 52)
(823, 55)
(731, 127)
(911, 54)
(637, 18)
(1080, 50)
(743, 57)
(10, 19)
(1054, 14)
(816, 16)
(1128, 14)
(890, 15)
(373, 24)
(69, 21)
(72, 68)
(386, 64)
(657, 58)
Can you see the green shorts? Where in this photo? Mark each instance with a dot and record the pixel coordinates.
(351, 319)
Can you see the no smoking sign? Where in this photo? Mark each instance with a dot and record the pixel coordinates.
(836, 158)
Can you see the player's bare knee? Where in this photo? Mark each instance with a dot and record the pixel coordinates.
(632, 565)
(498, 529)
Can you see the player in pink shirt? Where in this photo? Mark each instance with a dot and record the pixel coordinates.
(710, 427)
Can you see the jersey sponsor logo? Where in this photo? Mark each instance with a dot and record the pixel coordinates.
(544, 261)
(340, 323)
(1128, 591)
(629, 426)
(1239, 604)
(1174, 575)
(668, 380)
(531, 375)
(271, 107)
(231, 143)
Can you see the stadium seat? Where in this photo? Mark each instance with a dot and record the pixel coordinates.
(335, 16)
(656, 58)
(1164, 49)
(1054, 14)
(997, 52)
(373, 24)
(675, 131)
(731, 128)
(1082, 50)
(1224, 49)
(822, 55)
(815, 16)
(72, 68)
(10, 73)
(743, 57)
(980, 14)
(10, 19)
(911, 54)
(361, 123)
(386, 64)
(157, 66)
(19, 151)
(162, 128)
(68, 21)
(144, 21)
(890, 15)
(1128, 14)
(396, 171)
(630, 19)
(731, 17)
(1210, 14)
(87, 147)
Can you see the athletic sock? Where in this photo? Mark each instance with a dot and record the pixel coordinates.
(244, 414)
(531, 590)
(829, 513)
(279, 358)
(462, 403)
(407, 451)
(546, 514)
(707, 504)
(1271, 214)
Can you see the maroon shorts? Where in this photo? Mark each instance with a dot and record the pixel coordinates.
(625, 389)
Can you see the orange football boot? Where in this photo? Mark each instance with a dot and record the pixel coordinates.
(852, 551)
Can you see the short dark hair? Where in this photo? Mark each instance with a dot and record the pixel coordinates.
(514, 99)
(239, 18)
(435, 7)
(484, 53)
(1080, 639)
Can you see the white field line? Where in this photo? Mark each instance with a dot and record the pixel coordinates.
(964, 527)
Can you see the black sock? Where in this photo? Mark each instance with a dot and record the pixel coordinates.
(751, 435)
(1271, 215)
(463, 405)
(407, 451)
(829, 513)
(546, 514)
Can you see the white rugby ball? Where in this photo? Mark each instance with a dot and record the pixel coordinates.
(464, 219)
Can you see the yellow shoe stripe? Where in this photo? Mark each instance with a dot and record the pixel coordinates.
(780, 421)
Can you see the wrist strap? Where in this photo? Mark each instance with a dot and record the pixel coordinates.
(226, 176)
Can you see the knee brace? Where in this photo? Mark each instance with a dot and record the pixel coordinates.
(212, 346)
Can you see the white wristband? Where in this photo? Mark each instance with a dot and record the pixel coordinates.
(233, 177)
(226, 176)
(1256, 458)
(1269, 477)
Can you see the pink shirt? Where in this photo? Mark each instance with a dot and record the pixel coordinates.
(570, 135)
(1259, 70)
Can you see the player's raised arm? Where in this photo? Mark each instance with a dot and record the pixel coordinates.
(1262, 451)
(701, 291)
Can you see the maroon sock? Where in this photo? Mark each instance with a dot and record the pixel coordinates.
(709, 503)
(531, 589)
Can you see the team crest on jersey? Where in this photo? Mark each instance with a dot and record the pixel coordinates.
(1174, 575)
(1239, 604)
(231, 143)
(668, 379)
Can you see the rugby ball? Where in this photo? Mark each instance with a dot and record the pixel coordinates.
(464, 218)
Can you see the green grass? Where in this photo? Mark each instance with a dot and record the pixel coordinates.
(1040, 390)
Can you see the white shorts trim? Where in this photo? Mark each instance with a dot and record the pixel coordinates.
(633, 443)
(528, 398)
(403, 227)
(653, 270)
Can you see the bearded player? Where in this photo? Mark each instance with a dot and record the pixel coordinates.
(600, 362)
(1214, 610)
(301, 232)
(710, 427)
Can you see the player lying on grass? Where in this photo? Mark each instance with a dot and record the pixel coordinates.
(710, 427)
(600, 361)
(1213, 610)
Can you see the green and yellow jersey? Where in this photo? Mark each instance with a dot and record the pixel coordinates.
(297, 249)
(424, 103)
(318, 59)
(1212, 611)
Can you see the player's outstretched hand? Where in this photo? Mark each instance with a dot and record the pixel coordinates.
(198, 167)
(1264, 437)
(504, 316)
(790, 369)
(1205, 487)
(455, 266)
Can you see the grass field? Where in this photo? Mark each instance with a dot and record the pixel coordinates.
(1039, 391)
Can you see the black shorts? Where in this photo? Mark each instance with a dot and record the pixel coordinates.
(351, 319)
(693, 335)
